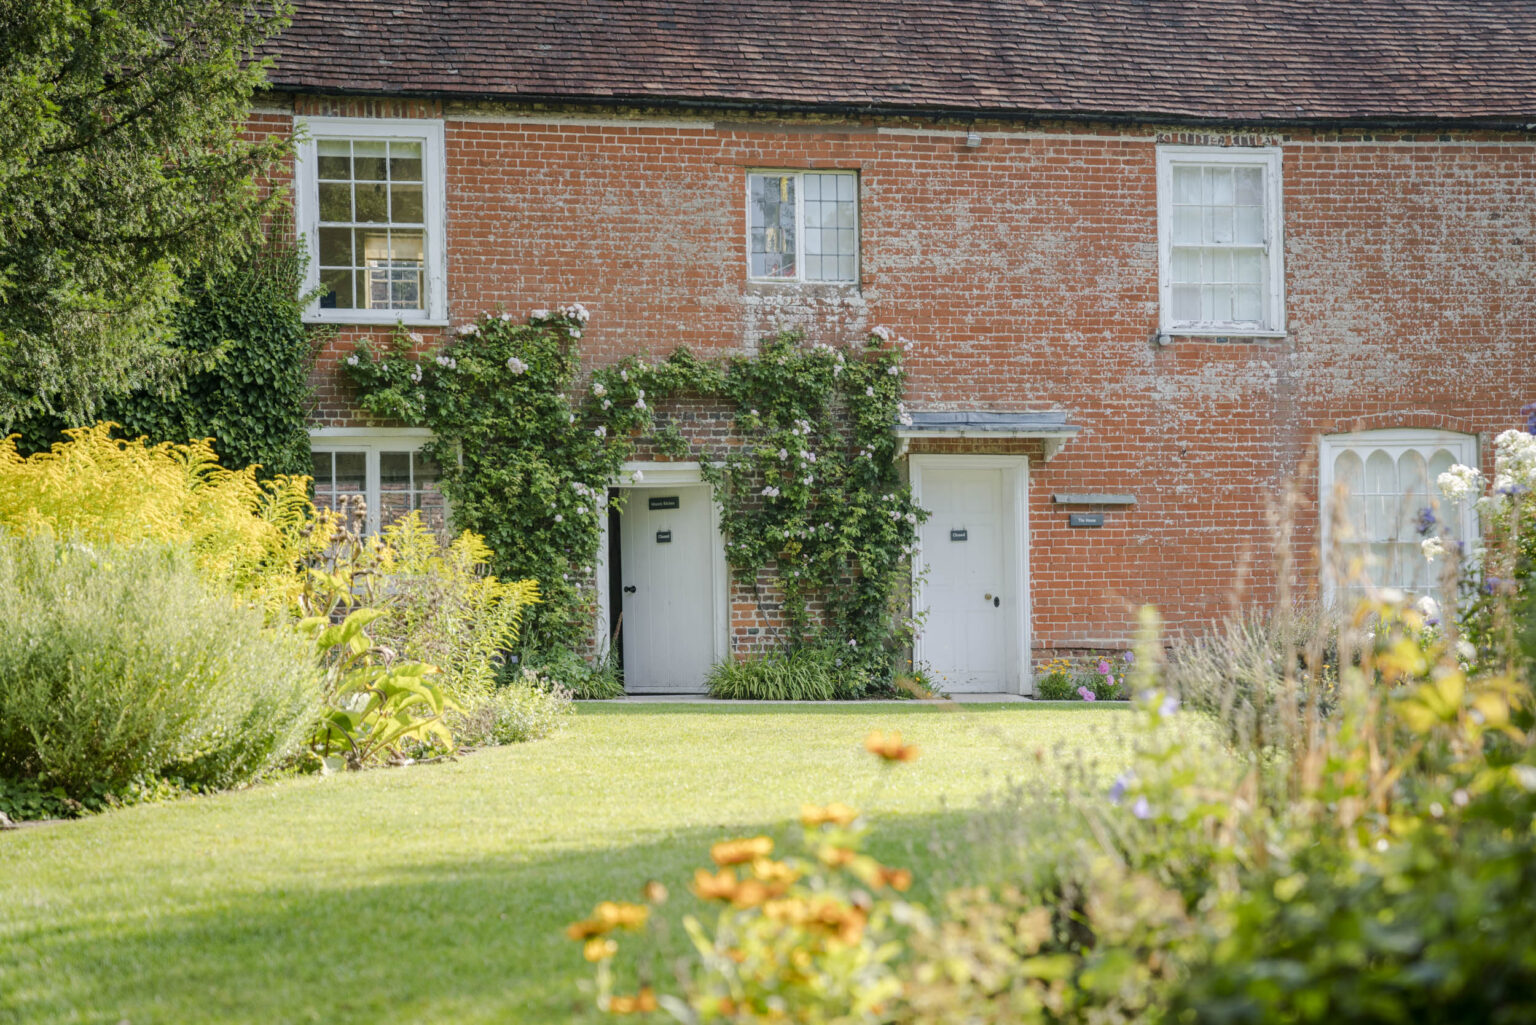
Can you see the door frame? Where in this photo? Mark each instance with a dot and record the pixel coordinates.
(667, 475)
(1017, 676)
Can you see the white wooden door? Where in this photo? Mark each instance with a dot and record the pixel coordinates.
(968, 587)
(667, 589)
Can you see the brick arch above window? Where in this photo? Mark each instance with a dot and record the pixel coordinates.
(1395, 420)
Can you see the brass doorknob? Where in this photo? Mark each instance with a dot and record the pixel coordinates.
(986, 597)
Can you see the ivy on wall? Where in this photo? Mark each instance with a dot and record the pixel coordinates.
(246, 380)
(813, 500)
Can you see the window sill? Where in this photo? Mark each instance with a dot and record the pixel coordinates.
(374, 318)
(770, 286)
(1235, 333)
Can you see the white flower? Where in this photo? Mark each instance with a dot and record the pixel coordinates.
(1459, 482)
(870, 391)
(639, 393)
(905, 420)
(911, 518)
(639, 476)
(468, 329)
(623, 375)
(570, 418)
(770, 492)
(1391, 596)
(1432, 547)
(809, 481)
(538, 314)
(607, 403)
(601, 432)
(1428, 607)
(581, 510)
(517, 366)
(415, 375)
(559, 518)
(783, 453)
(575, 333)
(415, 336)
(352, 361)
(752, 412)
(809, 457)
(852, 643)
(506, 317)
(448, 362)
(883, 333)
(639, 403)
(893, 370)
(598, 389)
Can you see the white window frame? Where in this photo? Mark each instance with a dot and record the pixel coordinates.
(371, 441)
(306, 205)
(1463, 446)
(799, 174)
(1267, 158)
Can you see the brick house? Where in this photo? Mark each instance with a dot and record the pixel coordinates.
(1163, 261)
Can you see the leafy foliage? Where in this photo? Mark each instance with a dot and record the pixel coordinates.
(374, 705)
(802, 674)
(123, 170)
(600, 679)
(520, 467)
(246, 387)
(248, 535)
(815, 497)
(120, 663)
(529, 707)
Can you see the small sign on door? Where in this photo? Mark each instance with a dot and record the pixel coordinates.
(959, 535)
(664, 502)
(663, 537)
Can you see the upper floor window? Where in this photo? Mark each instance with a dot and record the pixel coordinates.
(386, 467)
(1386, 481)
(370, 208)
(1219, 244)
(803, 226)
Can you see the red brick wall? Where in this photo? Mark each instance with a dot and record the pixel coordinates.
(1026, 269)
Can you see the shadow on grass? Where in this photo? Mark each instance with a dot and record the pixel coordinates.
(454, 941)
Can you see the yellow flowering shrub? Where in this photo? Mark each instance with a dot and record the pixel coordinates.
(249, 535)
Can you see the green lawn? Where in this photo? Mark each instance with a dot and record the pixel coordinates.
(437, 893)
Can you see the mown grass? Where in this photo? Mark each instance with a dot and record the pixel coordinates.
(437, 893)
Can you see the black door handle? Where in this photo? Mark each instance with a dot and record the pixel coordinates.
(997, 603)
(629, 590)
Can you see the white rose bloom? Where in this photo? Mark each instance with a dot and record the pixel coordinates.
(1459, 482)
(1433, 548)
(1428, 607)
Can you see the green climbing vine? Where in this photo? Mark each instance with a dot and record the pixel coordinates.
(812, 503)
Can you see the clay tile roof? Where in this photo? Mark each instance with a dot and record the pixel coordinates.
(1242, 60)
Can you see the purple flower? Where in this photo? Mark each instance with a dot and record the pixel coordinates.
(1130, 658)
(1141, 809)
(1426, 521)
(1529, 412)
(1103, 667)
(1117, 791)
(1086, 694)
(1169, 706)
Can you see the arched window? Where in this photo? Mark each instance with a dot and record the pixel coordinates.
(1386, 480)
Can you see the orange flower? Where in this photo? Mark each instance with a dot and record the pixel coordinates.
(655, 892)
(599, 949)
(770, 871)
(736, 852)
(836, 813)
(642, 1002)
(890, 747)
(896, 878)
(607, 916)
(836, 857)
(707, 886)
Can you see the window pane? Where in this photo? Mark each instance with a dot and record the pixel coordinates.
(372, 202)
(334, 158)
(335, 201)
(813, 188)
(1186, 265)
(1247, 305)
(351, 473)
(1186, 185)
(368, 160)
(395, 470)
(337, 283)
(1218, 304)
(405, 204)
(1218, 184)
(1248, 266)
(1381, 496)
(845, 188)
(847, 267)
(1186, 303)
(336, 247)
(1249, 228)
(813, 241)
(1250, 186)
(1413, 479)
(1186, 226)
(773, 208)
(321, 471)
(1220, 224)
(405, 161)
